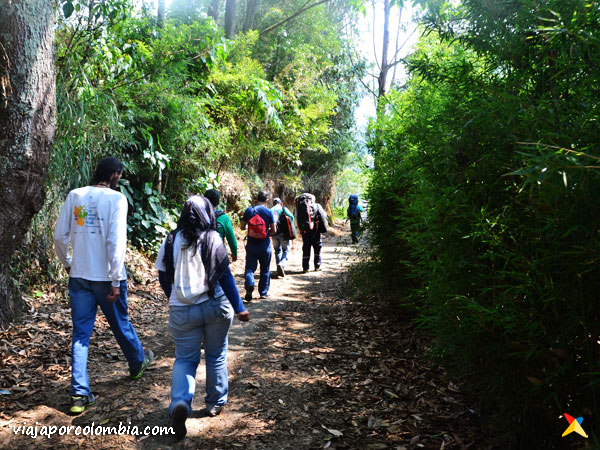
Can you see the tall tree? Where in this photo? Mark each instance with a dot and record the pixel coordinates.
(213, 9)
(160, 16)
(251, 7)
(230, 18)
(27, 123)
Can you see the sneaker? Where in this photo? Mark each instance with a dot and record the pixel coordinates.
(148, 358)
(264, 296)
(79, 403)
(180, 414)
(280, 271)
(317, 269)
(248, 296)
(305, 271)
(213, 410)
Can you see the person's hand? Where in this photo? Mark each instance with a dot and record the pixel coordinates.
(244, 316)
(114, 294)
(234, 258)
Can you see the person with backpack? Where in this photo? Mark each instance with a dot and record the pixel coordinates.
(286, 231)
(193, 271)
(224, 225)
(312, 222)
(93, 222)
(259, 221)
(354, 215)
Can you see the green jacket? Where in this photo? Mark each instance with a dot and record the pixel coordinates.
(226, 231)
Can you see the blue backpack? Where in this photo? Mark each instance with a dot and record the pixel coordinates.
(353, 212)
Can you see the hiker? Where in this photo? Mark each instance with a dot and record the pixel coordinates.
(312, 221)
(193, 271)
(285, 233)
(93, 221)
(224, 226)
(259, 221)
(354, 215)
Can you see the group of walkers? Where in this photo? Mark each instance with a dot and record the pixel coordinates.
(193, 271)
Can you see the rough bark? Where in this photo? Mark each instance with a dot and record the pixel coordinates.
(251, 8)
(27, 123)
(213, 10)
(230, 18)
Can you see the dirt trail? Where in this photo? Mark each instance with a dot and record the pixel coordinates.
(311, 370)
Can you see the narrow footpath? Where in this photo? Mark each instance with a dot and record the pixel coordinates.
(310, 370)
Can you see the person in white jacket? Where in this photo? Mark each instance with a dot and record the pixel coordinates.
(93, 221)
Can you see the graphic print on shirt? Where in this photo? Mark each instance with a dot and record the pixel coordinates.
(80, 214)
(86, 216)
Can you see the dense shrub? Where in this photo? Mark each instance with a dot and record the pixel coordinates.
(485, 192)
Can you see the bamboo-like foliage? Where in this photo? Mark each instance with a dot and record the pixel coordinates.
(485, 191)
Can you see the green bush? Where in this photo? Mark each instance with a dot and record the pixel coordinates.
(484, 197)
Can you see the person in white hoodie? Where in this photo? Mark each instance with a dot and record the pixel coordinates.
(94, 221)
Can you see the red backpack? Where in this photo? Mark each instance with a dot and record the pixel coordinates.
(257, 227)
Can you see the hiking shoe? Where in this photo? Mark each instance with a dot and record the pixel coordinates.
(79, 403)
(148, 358)
(180, 414)
(213, 410)
(248, 296)
(280, 271)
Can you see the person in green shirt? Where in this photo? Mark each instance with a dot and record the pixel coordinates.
(224, 225)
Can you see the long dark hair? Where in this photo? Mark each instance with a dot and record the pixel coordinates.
(198, 225)
(197, 216)
(105, 168)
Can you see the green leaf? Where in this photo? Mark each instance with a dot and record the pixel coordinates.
(68, 9)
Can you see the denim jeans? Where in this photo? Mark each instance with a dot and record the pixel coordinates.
(191, 325)
(280, 248)
(258, 254)
(86, 296)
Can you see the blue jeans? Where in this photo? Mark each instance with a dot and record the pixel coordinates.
(255, 254)
(86, 296)
(280, 247)
(190, 326)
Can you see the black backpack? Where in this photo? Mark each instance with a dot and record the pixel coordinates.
(321, 220)
(305, 214)
(285, 226)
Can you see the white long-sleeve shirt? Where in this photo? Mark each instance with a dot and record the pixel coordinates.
(94, 221)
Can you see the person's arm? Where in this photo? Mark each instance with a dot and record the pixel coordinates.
(164, 283)
(229, 235)
(116, 242)
(230, 289)
(272, 226)
(62, 234)
(245, 218)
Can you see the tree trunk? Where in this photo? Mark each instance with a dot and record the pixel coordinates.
(230, 17)
(27, 123)
(382, 79)
(160, 15)
(251, 8)
(213, 10)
